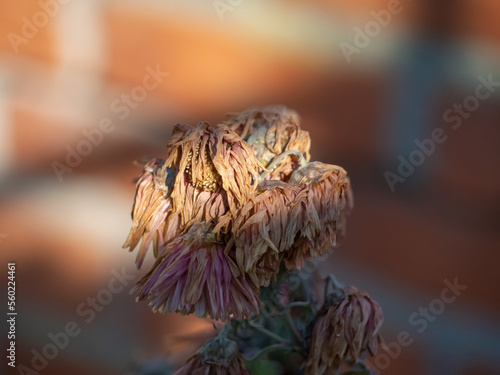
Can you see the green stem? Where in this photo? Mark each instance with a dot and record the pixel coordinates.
(280, 158)
(299, 304)
(267, 333)
(268, 349)
(293, 328)
(226, 330)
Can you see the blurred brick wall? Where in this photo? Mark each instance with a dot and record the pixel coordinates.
(65, 77)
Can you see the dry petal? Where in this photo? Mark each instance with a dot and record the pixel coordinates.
(271, 131)
(213, 160)
(194, 275)
(152, 220)
(320, 210)
(261, 230)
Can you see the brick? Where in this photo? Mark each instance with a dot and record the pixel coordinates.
(422, 243)
(38, 137)
(480, 20)
(470, 159)
(41, 46)
(208, 64)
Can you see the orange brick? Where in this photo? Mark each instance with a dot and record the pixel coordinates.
(419, 244)
(481, 20)
(39, 138)
(470, 160)
(208, 64)
(41, 44)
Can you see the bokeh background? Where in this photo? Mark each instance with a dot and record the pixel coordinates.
(62, 76)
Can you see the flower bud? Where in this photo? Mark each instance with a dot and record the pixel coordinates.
(219, 356)
(344, 330)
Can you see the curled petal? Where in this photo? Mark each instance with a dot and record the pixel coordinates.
(271, 131)
(152, 220)
(262, 231)
(320, 210)
(212, 160)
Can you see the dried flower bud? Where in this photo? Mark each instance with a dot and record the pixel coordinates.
(345, 329)
(194, 275)
(319, 210)
(219, 356)
(213, 160)
(150, 213)
(261, 230)
(271, 131)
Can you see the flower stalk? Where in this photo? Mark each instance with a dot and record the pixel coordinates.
(231, 212)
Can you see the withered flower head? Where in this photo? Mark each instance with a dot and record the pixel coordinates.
(261, 230)
(320, 210)
(152, 221)
(346, 329)
(217, 163)
(194, 275)
(271, 131)
(219, 356)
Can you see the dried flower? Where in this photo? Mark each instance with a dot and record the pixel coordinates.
(261, 230)
(151, 220)
(270, 131)
(200, 205)
(215, 172)
(345, 329)
(194, 275)
(219, 356)
(319, 210)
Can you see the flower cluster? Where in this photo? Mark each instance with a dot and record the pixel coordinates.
(227, 206)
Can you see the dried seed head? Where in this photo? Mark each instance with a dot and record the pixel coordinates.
(212, 160)
(344, 330)
(210, 179)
